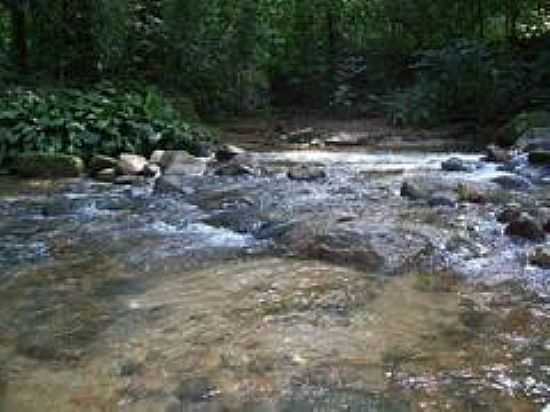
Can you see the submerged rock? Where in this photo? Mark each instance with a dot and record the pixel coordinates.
(131, 164)
(48, 165)
(173, 184)
(541, 257)
(195, 390)
(385, 248)
(512, 182)
(423, 188)
(307, 173)
(448, 199)
(526, 227)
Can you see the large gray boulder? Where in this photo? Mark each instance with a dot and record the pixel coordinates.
(179, 162)
(131, 164)
(383, 248)
(455, 164)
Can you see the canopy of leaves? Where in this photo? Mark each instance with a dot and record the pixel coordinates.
(246, 55)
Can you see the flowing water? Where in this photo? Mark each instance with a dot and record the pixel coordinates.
(123, 299)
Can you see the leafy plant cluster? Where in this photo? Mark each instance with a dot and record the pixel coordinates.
(103, 119)
(465, 81)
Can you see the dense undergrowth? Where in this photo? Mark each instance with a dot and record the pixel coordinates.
(101, 119)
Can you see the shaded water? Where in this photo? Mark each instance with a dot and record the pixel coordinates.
(122, 299)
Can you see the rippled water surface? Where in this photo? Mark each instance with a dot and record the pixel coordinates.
(123, 299)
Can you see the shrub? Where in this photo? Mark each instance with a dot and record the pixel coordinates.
(102, 120)
(463, 81)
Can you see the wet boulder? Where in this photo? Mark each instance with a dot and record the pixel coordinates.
(497, 154)
(543, 216)
(227, 152)
(156, 157)
(456, 164)
(99, 162)
(540, 256)
(203, 150)
(240, 165)
(152, 170)
(526, 227)
(47, 165)
(179, 162)
(422, 188)
(472, 193)
(131, 164)
(307, 173)
(379, 247)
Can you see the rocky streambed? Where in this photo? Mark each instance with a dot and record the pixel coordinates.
(306, 280)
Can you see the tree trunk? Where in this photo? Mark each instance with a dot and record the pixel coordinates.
(20, 38)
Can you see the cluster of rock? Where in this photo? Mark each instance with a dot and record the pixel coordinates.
(228, 160)
(526, 163)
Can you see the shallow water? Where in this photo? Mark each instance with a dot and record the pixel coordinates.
(121, 299)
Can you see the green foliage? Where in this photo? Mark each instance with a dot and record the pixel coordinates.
(463, 81)
(103, 119)
(242, 55)
(523, 122)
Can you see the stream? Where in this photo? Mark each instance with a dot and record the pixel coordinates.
(263, 294)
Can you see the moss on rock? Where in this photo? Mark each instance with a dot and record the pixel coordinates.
(47, 165)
